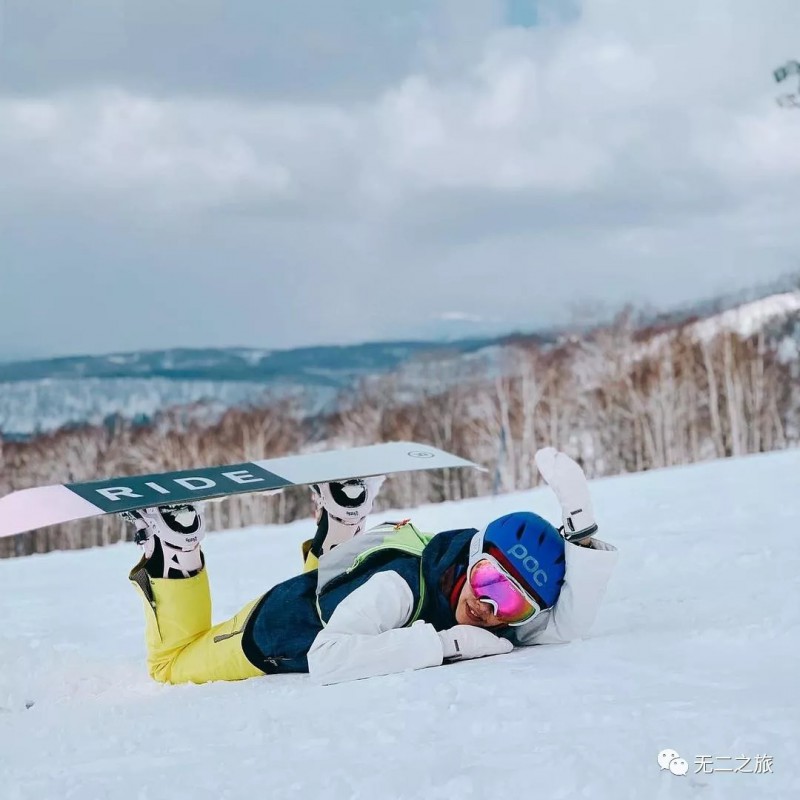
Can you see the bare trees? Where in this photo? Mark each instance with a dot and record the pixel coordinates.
(169, 443)
(620, 400)
(749, 395)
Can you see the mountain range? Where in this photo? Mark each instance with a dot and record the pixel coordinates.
(44, 394)
(41, 395)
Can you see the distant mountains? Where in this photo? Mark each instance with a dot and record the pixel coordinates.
(42, 395)
(323, 365)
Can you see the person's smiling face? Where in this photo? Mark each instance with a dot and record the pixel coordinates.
(471, 611)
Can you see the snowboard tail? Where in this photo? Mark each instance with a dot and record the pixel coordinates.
(29, 509)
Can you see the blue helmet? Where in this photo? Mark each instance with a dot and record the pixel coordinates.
(530, 549)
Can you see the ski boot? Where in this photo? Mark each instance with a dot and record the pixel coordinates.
(170, 539)
(341, 513)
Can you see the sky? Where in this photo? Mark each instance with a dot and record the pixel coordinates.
(207, 173)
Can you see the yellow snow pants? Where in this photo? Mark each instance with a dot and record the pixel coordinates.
(182, 645)
(310, 561)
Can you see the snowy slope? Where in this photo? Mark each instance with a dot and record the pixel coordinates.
(749, 318)
(695, 649)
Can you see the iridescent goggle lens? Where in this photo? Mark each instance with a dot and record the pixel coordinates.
(490, 582)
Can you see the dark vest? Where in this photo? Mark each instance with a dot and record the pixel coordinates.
(283, 625)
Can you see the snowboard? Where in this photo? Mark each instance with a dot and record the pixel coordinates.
(29, 509)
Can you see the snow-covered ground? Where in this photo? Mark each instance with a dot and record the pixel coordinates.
(749, 318)
(696, 649)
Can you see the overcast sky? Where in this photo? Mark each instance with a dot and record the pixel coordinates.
(207, 172)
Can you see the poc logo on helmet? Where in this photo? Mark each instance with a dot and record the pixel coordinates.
(520, 552)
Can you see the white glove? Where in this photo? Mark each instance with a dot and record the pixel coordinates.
(566, 479)
(467, 641)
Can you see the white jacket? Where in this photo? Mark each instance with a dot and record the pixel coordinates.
(365, 636)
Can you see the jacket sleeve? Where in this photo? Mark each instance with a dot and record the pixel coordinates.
(587, 574)
(365, 635)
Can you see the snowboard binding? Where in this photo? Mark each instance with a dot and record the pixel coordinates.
(170, 538)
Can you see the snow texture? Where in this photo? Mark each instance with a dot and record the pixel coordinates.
(749, 318)
(695, 649)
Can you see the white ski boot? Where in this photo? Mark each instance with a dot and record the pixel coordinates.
(342, 509)
(170, 539)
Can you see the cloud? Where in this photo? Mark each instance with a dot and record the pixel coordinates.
(299, 50)
(614, 152)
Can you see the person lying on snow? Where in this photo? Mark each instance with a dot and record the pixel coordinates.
(382, 601)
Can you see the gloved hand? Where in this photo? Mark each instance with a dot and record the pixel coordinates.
(566, 479)
(468, 641)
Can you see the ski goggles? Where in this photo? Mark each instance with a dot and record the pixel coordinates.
(492, 584)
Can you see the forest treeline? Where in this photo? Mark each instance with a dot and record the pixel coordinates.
(618, 400)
